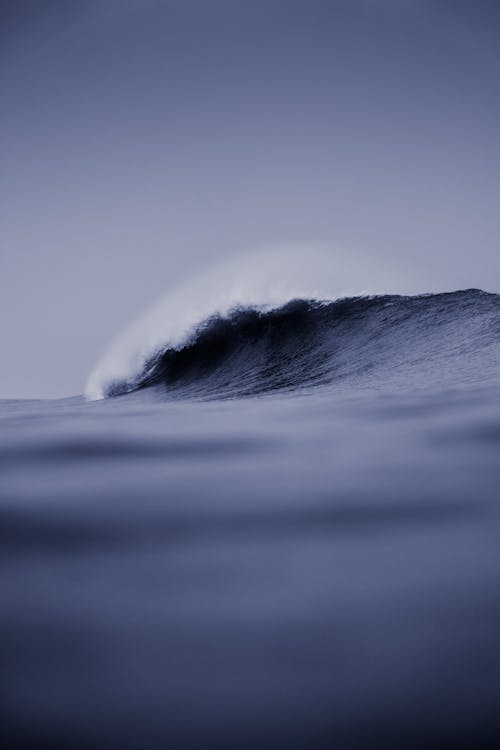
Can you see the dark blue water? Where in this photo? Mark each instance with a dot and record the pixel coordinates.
(287, 535)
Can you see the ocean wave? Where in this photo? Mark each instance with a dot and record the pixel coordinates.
(363, 341)
(263, 280)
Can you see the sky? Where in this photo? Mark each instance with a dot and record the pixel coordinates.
(142, 141)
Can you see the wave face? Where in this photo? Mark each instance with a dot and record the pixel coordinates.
(380, 342)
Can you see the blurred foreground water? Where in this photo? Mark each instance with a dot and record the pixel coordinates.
(309, 570)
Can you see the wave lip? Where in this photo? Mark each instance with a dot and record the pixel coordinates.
(264, 280)
(377, 342)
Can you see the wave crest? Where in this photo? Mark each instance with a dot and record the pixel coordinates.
(263, 280)
(376, 342)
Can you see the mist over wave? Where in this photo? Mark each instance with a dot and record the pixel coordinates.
(386, 342)
(250, 301)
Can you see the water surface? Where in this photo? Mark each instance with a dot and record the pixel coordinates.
(285, 534)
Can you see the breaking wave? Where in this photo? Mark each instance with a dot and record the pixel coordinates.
(357, 342)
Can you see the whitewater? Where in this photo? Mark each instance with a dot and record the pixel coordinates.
(271, 520)
(261, 280)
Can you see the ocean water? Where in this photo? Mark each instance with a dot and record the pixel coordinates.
(283, 531)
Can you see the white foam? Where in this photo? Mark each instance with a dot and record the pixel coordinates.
(265, 279)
